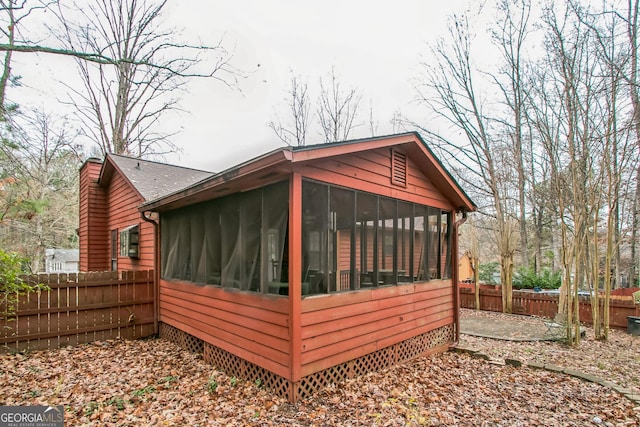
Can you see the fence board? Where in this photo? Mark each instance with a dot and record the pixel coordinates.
(545, 305)
(81, 308)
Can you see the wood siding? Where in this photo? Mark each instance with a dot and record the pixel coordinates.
(105, 207)
(123, 202)
(340, 327)
(371, 171)
(384, 262)
(254, 327)
(92, 229)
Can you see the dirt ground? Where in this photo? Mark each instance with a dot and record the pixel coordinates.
(153, 382)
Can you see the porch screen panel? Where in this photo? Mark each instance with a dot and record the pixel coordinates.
(366, 218)
(433, 244)
(341, 209)
(176, 249)
(315, 237)
(198, 245)
(420, 243)
(250, 238)
(276, 214)
(230, 242)
(168, 245)
(404, 241)
(445, 244)
(212, 244)
(387, 231)
(184, 247)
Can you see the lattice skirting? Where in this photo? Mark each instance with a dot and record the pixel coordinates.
(235, 366)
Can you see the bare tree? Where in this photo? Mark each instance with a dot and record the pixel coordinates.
(12, 15)
(39, 186)
(576, 110)
(337, 109)
(123, 98)
(510, 37)
(299, 107)
(618, 63)
(451, 94)
(373, 123)
(473, 242)
(633, 81)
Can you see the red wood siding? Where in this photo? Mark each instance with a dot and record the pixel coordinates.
(123, 201)
(344, 251)
(371, 171)
(113, 206)
(340, 327)
(253, 327)
(92, 227)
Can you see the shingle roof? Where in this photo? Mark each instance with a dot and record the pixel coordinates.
(153, 179)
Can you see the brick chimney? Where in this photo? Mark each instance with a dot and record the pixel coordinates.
(93, 228)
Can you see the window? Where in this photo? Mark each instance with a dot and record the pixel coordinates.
(114, 250)
(129, 238)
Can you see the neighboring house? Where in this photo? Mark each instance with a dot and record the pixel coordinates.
(61, 260)
(465, 268)
(113, 234)
(306, 265)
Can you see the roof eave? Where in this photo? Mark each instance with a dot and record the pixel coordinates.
(462, 200)
(267, 161)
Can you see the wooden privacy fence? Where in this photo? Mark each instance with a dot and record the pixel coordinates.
(546, 305)
(81, 308)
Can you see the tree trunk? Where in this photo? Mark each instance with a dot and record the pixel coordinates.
(506, 278)
(476, 281)
(6, 71)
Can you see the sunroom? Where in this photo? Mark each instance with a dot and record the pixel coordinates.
(308, 265)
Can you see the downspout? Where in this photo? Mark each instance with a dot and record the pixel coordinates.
(156, 272)
(455, 278)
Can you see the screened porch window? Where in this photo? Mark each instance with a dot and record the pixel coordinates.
(238, 241)
(352, 240)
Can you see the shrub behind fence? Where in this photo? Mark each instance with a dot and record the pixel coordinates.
(81, 308)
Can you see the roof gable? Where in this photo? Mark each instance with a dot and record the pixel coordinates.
(411, 143)
(150, 179)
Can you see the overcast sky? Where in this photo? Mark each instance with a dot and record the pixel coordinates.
(375, 46)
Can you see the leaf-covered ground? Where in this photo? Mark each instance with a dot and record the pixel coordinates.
(617, 359)
(153, 382)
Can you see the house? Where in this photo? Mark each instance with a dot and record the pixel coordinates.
(465, 268)
(61, 260)
(113, 234)
(308, 265)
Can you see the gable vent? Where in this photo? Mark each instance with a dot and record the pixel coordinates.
(398, 168)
